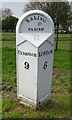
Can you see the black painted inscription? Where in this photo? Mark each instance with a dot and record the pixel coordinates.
(45, 53)
(35, 29)
(45, 65)
(26, 65)
(34, 54)
(36, 17)
(27, 53)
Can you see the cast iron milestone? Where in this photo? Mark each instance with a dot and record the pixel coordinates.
(34, 57)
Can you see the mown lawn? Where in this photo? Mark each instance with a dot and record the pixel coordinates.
(59, 104)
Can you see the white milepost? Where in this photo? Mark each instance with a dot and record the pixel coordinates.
(34, 57)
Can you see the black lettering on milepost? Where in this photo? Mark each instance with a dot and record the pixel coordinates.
(27, 53)
(35, 54)
(26, 65)
(35, 29)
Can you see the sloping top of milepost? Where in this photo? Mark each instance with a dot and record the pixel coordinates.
(34, 26)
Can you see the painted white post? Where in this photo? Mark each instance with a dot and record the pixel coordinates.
(34, 57)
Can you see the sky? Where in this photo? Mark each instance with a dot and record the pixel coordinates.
(16, 7)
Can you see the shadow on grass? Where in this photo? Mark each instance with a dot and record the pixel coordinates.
(45, 107)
